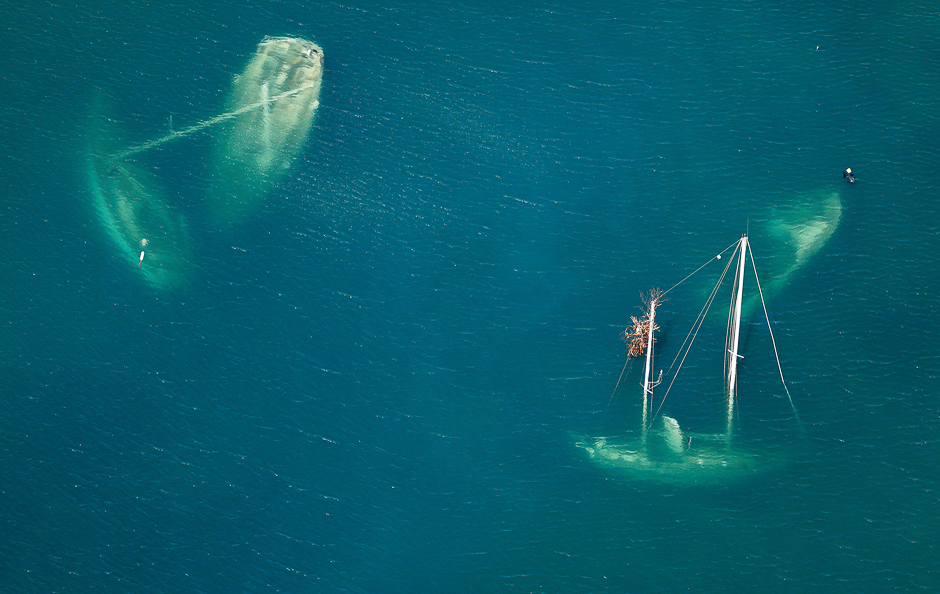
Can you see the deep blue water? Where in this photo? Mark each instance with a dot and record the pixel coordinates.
(369, 385)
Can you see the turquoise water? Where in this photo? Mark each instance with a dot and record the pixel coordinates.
(370, 385)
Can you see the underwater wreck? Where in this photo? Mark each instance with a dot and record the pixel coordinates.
(135, 213)
(267, 119)
(272, 105)
(802, 230)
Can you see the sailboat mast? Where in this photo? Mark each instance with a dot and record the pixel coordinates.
(736, 333)
(647, 394)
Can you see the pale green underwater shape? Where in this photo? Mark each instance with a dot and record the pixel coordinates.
(256, 148)
(804, 229)
(672, 457)
(134, 212)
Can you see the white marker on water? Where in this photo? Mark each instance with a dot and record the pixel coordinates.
(141, 263)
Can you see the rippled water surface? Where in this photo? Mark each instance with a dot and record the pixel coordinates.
(372, 383)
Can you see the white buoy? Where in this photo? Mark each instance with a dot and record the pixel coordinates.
(141, 263)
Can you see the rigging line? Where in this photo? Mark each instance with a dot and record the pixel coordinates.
(623, 371)
(773, 341)
(700, 320)
(702, 312)
(197, 127)
(699, 268)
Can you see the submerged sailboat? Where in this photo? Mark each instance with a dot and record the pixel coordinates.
(661, 450)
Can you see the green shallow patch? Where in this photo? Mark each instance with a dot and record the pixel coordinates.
(802, 230)
(132, 209)
(787, 241)
(703, 460)
(275, 99)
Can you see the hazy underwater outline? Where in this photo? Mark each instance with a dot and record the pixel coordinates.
(369, 381)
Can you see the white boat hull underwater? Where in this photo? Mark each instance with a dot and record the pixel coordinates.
(135, 214)
(256, 147)
(660, 451)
